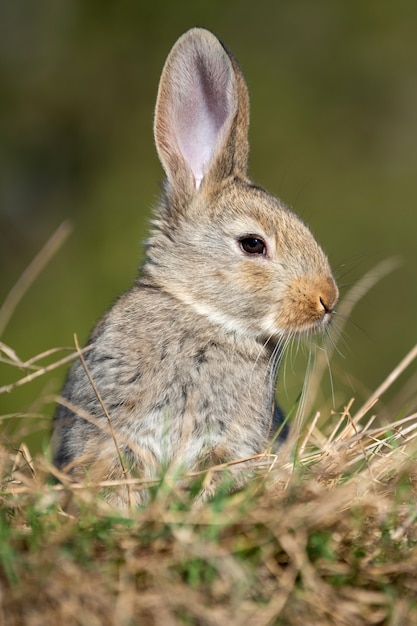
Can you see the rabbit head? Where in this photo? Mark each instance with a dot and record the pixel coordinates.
(222, 245)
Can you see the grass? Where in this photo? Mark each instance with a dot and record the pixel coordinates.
(325, 534)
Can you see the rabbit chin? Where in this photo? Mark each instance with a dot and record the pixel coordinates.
(278, 329)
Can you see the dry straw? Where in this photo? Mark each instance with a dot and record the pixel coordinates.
(324, 533)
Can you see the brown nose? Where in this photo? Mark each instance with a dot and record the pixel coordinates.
(328, 295)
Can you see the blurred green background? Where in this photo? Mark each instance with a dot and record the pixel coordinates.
(333, 133)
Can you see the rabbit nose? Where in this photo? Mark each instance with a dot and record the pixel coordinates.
(328, 296)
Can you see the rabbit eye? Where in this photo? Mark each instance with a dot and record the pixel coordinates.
(253, 245)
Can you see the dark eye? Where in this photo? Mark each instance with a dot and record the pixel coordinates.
(253, 245)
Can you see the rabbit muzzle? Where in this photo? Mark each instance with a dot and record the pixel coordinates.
(308, 305)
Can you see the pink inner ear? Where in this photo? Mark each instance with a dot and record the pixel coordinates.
(200, 113)
(197, 138)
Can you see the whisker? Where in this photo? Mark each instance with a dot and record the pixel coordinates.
(301, 410)
(329, 367)
(333, 342)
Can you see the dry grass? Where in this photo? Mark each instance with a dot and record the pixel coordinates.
(325, 534)
(330, 539)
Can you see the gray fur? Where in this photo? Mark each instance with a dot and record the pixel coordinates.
(185, 361)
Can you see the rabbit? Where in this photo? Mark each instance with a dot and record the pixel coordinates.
(185, 363)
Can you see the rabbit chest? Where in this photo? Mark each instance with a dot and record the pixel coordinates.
(173, 385)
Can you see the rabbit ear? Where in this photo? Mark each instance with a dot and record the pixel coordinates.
(202, 114)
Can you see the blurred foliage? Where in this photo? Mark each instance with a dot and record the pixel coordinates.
(333, 132)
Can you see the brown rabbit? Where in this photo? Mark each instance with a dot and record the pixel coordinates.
(185, 362)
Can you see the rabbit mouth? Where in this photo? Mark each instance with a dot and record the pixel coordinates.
(309, 324)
